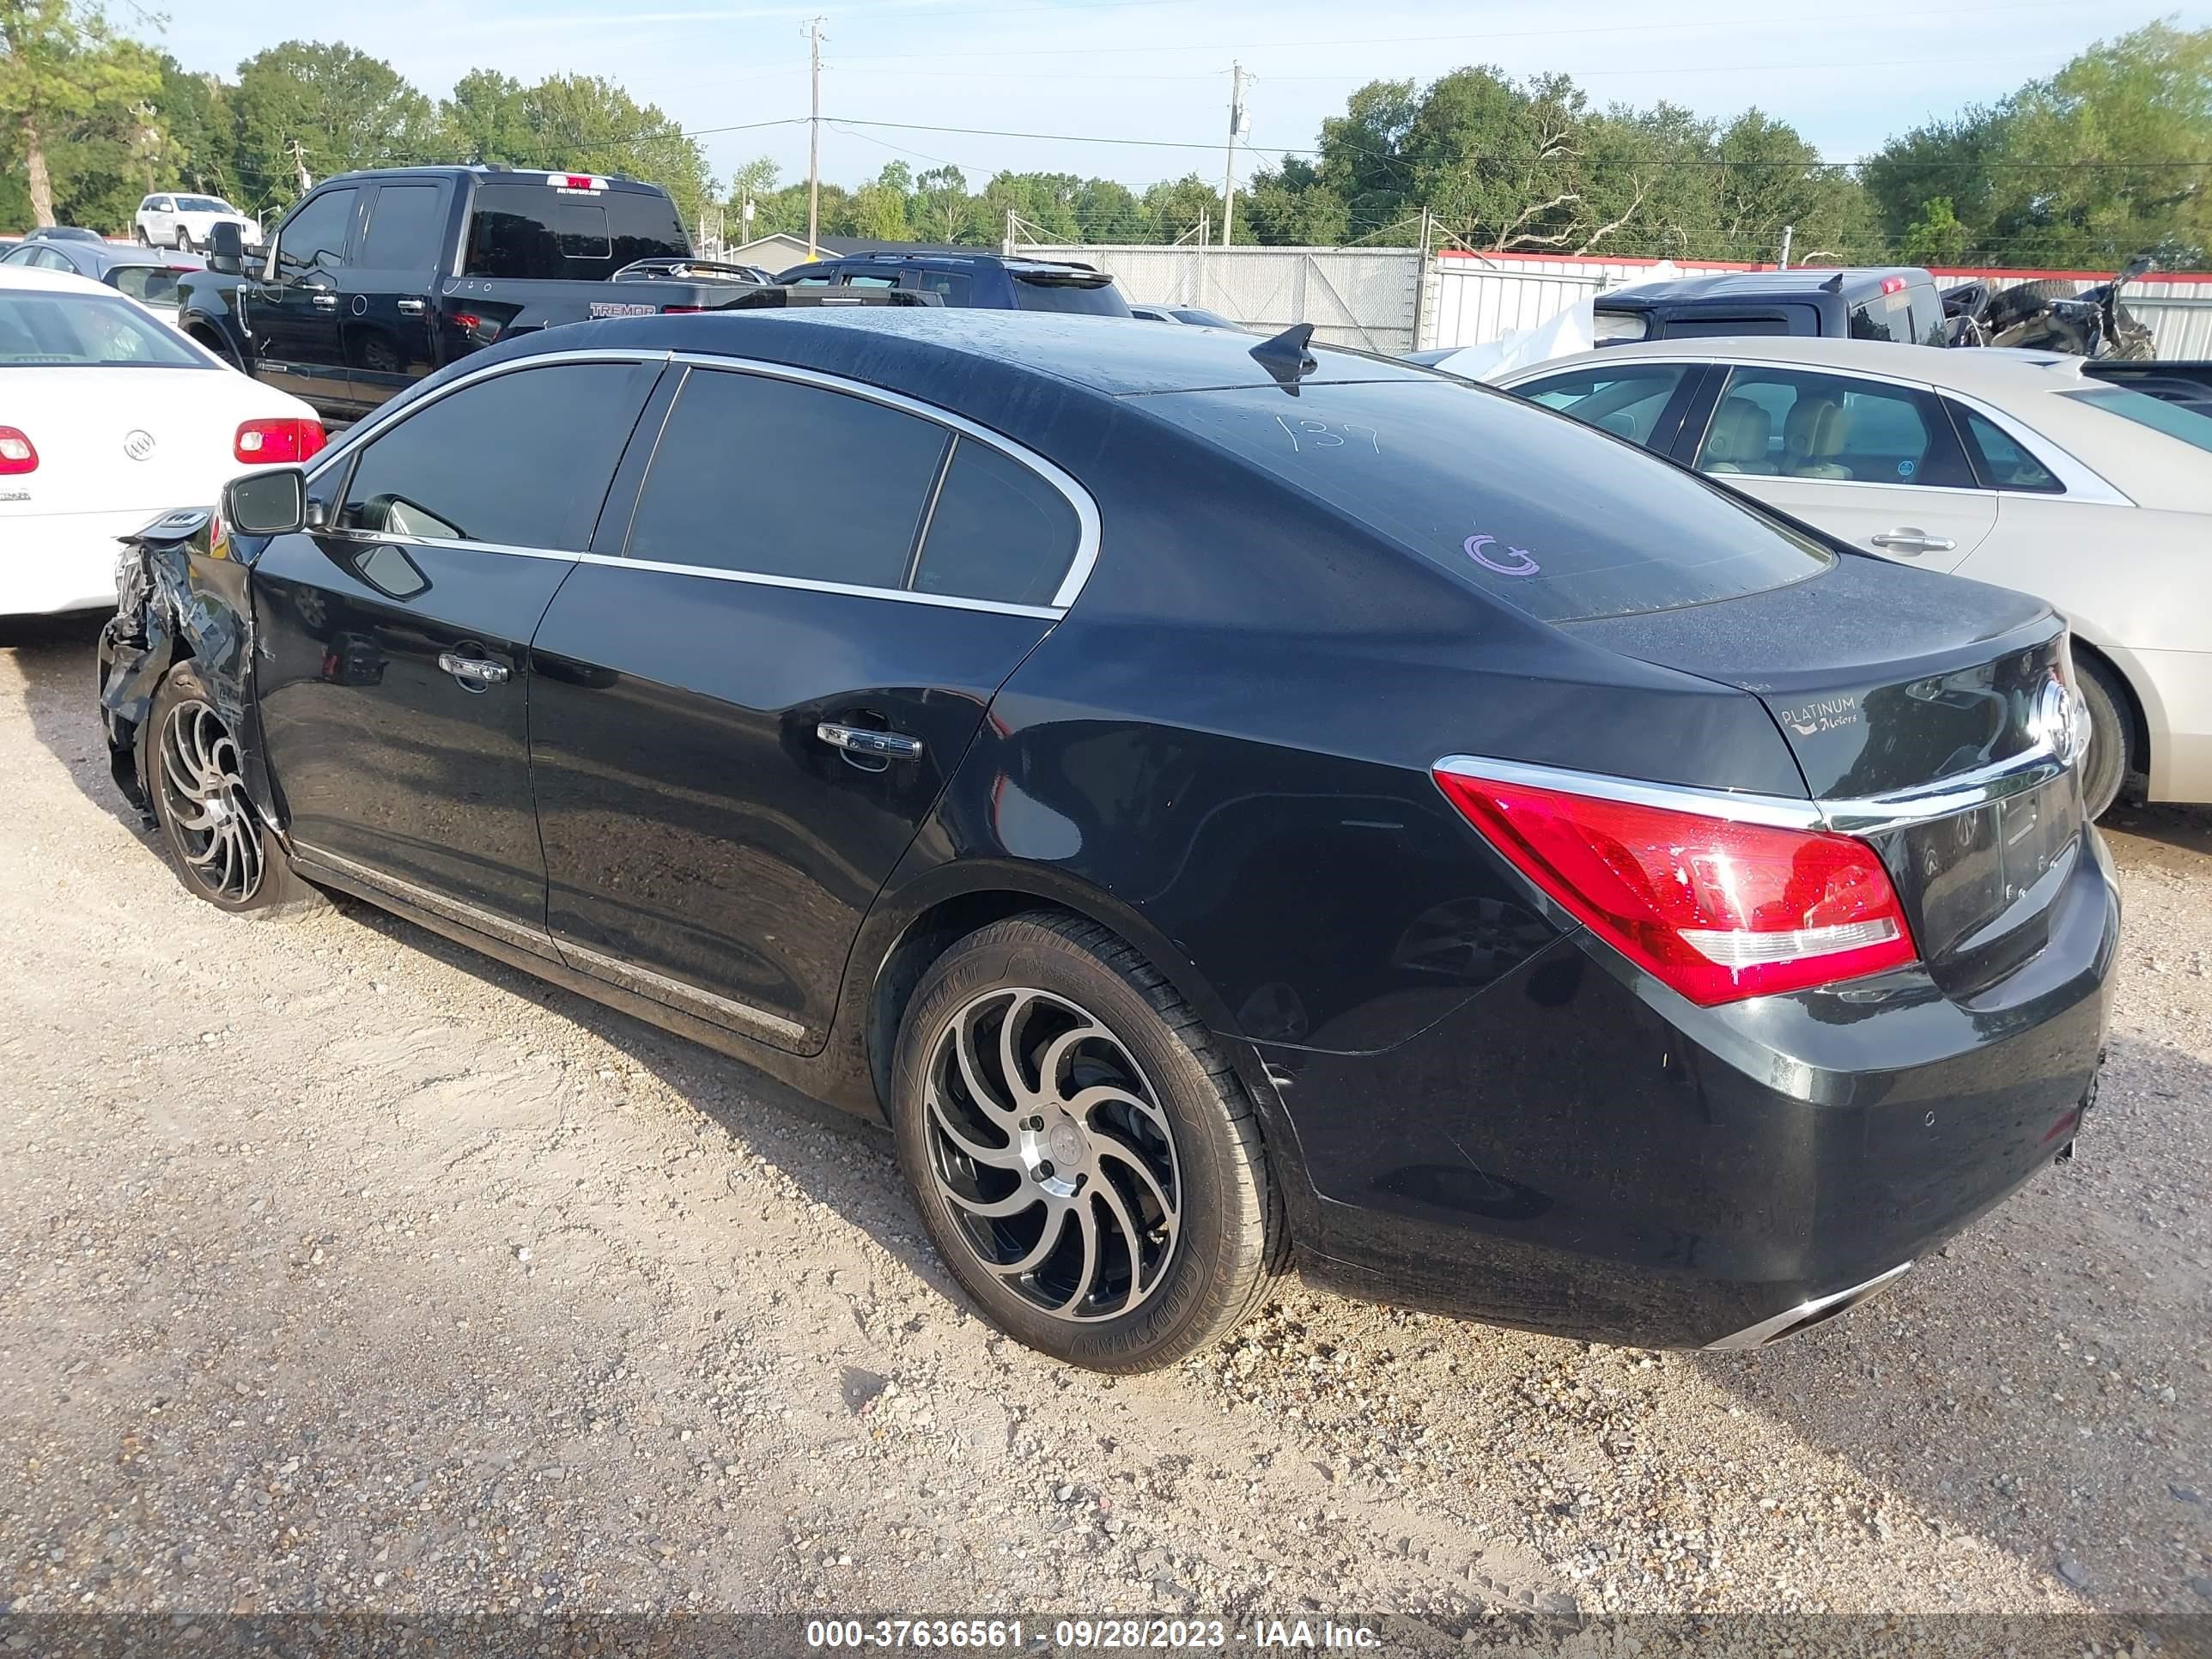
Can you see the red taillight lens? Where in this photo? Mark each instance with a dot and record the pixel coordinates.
(1717, 908)
(671, 310)
(267, 443)
(17, 453)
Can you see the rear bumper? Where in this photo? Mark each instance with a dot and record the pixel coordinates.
(1576, 1152)
(51, 563)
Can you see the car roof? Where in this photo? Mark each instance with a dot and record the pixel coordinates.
(924, 351)
(1798, 283)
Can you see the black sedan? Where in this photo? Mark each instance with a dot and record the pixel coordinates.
(1221, 803)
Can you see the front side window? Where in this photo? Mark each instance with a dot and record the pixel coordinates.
(998, 532)
(1832, 427)
(1540, 512)
(777, 478)
(521, 459)
(869, 279)
(39, 330)
(1627, 401)
(316, 236)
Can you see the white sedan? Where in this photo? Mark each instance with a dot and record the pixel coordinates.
(108, 419)
(2011, 467)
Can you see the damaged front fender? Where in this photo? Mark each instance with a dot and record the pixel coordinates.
(180, 593)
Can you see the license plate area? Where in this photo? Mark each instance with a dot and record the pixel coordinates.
(1980, 883)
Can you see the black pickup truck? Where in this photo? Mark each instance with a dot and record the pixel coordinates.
(376, 279)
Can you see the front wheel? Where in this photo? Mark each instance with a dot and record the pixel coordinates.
(184, 240)
(222, 850)
(2111, 754)
(1085, 1161)
(138, 233)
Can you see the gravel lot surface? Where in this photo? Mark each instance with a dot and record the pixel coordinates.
(341, 1268)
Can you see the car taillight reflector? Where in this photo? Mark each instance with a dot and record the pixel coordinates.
(266, 443)
(671, 310)
(18, 454)
(1717, 908)
(1892, 285)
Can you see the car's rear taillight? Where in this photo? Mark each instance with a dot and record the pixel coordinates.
(17, 453)
(266, 443)
(1717, 908)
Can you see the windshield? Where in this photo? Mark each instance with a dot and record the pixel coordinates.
(204, 204)
(2156, 413)
(70, 330)
(1089, 296)
(1532, 508)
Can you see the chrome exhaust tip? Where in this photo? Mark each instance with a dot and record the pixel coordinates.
(1806, 1314)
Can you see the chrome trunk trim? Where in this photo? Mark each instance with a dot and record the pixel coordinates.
(1805, 1315)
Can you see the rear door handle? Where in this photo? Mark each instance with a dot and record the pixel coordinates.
(472, 671)
(1906, 539)
(868, 742)
(412, 307)
(322, 300)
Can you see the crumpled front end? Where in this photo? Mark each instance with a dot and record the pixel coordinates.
(178, 595)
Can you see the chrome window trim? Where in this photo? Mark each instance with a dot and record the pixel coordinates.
(390, 414)
(372, 538)
(676, 993)
(806, 584)
(1072, 583)
(1086, 510)
(1871, 815)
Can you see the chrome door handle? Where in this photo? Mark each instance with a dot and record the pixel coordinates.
(868, 742)
(412, 307)
(322, 300)
(1905, 539)
(473, 669)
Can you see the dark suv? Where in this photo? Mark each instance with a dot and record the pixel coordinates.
(985, 280)
(1897, 303)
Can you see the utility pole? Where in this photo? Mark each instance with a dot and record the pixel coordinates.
(1787, 232)
(1229, 172)
(814, 145)
(299, 165)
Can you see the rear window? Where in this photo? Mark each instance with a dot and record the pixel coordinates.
(1532, 508)
(2156, 413)
(1089, 295)
(150, 285)
(70, 330)
(536, 232)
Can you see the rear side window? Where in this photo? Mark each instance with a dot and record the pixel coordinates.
(2005, 464)
(776, 478)
(998, 532)
(404, 222)
(1722, 328)
(536, 232)
(1627, 401)
(1085, 295)
(520, 461)
(150, 285)
(954, 285)
(1538, 511)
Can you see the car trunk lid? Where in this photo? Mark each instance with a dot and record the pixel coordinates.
(111, 440)
(1900, 700)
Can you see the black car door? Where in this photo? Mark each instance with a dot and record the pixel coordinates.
(388, 291)
(393, 670)
(295, 316)
(748, 700)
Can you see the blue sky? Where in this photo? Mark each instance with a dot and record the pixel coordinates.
(1847, 76)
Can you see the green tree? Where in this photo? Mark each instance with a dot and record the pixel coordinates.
(61, 65)
(1936, 237)
(485, 119)
(196, 117)
(1290, 206)
(342, 107)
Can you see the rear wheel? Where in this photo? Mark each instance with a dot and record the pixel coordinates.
(2111, 754)
(222, 850)
(1085, 1161)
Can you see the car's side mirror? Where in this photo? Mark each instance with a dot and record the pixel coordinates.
(271, 503)
(225, 249)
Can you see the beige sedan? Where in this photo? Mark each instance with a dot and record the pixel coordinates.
(2010, 467)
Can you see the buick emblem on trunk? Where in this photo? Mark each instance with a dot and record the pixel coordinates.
(137, 444)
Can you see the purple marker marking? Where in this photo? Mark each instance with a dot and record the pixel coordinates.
(1526, 566)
